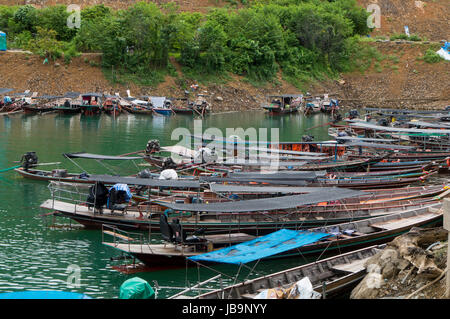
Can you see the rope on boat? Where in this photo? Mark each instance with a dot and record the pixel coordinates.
(9, 169)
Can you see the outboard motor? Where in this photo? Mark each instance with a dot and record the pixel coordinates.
(29, 159)
(353, 114)
(337, 118)
(98, 195)
(144, 174)
(307, 138)
(169, 164)
(383, 122)
(153, 146)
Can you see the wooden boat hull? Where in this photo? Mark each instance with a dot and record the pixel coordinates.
(325, 275)
(68, 110)
(89, 110)
(279, 111)
(165, 112)
(185, 111)
(250, 223)
(36, 110)
(413, 218)
(133, 110)
(47, 176)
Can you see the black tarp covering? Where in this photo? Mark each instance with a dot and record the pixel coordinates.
(100, 157)
(109, 179)
(266, 204)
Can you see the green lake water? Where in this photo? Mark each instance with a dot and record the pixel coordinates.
(35, 257)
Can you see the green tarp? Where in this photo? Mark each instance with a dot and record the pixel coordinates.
(2, 41)
(136, 288)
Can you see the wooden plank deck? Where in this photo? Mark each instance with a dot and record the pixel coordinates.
(403, 222)
(85, 211)
(356, 266)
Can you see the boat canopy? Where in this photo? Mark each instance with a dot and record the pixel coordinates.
(109, 179)
(427, 124)
(402, 111)
(222, 188)
(210, 179)
(365, 139)
(398, 129)
(380, 145)
(246, 162)
(303, 175)
(92, 94)
(100, 157)
(267, 204)
(262, 247)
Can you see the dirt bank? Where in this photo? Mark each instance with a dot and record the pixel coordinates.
(427, 18)
(398, 80)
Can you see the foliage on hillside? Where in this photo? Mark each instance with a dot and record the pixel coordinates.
(305, 39)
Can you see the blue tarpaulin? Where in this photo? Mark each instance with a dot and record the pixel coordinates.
(43, 294)
(123, 187)
(262, 247)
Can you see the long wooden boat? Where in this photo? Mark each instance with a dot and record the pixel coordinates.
(330, 277)
(30, 109)
(163, 111)
(73, 109)
(243, 220)
(55, 175)
(183, 110)
(350, 165)
(138, 110)
(344, 237)
(371, 183)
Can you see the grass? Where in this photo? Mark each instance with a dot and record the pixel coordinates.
(431, 57)
(150, 78)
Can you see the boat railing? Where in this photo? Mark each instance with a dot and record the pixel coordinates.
(75, 193)
(120, 236)
(198, 287)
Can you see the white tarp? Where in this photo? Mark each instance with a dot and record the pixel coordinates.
(158, 101)
(444, 52)
(302, 289)
(168, 174)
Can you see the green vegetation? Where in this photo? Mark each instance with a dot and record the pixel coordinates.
(431, 56)
(403, 36)
(304, 39)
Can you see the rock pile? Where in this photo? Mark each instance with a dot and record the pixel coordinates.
(406, 266)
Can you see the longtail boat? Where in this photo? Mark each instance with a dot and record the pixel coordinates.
(91, 104)
(255, 216)
(330, 277)
(316, 241)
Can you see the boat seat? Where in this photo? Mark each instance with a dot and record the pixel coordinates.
(165, 229)
(181, 236)
(117, 201)
(98, 196)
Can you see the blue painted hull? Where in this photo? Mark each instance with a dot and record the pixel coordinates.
(163, 111)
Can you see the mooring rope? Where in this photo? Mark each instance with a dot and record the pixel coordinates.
(10, 168)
